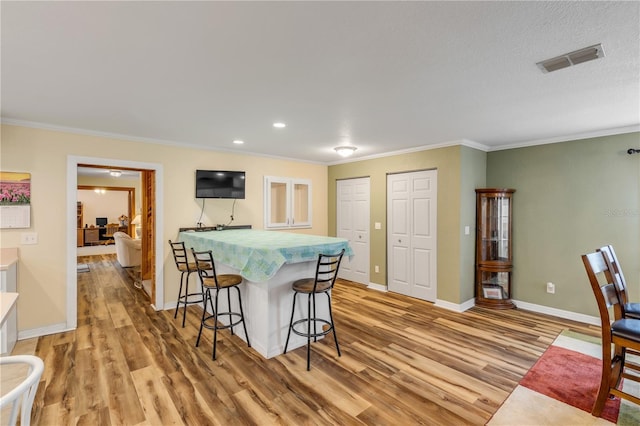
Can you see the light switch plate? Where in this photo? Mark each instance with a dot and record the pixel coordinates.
(377, 225)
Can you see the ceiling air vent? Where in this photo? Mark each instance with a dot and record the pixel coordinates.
(572, 58)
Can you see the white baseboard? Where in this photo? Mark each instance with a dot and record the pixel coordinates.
(44, 331)
(574, 316)
(456, 307)
(377, 287)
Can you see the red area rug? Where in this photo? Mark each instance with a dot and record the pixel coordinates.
(570, 377)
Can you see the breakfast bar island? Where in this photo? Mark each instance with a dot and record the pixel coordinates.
(269, 261)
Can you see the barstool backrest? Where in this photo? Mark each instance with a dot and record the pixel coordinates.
(206, 266)
(327, 269)
(179, 255)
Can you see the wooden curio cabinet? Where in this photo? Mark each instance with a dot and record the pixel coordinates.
(494, 260)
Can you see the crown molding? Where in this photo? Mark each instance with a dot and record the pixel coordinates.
(572, 137)
(128, 138)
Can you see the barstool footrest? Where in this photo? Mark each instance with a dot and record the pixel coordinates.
(185, 299)
(206, 323)
(314, 321)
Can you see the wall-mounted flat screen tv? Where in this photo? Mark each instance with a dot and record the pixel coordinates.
(219, 184)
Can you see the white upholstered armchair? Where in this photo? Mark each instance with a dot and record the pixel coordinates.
(128, 250)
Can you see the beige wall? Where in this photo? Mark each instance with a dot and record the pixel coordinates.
(455, 281)
(110, 204)
(122, 182)
(570, 199)
(42, 281)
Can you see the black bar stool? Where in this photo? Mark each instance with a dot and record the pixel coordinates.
(326, 274)
(186, 268)
(212, 281)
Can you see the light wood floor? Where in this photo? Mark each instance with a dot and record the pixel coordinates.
(403, 362)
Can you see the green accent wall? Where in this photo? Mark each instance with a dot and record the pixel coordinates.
(459, 169)
(571, 198)
(473, 175)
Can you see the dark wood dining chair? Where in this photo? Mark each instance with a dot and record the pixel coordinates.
(212, 282)
(323, 281)
(629, 310)
(623, 333)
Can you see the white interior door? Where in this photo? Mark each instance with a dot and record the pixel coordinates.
(411, 234)
(352, 223)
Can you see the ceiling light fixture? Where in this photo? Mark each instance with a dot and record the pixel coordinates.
(115, 173)
(572, 58)
(279, 125)
(238, 142)
(345, 151)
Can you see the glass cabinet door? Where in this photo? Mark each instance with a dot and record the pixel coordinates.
(494, 262)
(495, 238)
(495, 284)
(287, 203)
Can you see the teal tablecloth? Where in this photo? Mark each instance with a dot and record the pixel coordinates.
(258, 255)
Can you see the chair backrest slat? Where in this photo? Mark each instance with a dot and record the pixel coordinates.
(614, 265)
(603, 286)
(179, 253)
(205, 265)
(327, 268)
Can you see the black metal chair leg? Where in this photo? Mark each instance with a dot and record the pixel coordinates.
(204, 313)
(244, 324)
(215, 328)
(309, 332)
(175, 315)
(290, 322)
(186, 298)
(229, 305)
(333, 325)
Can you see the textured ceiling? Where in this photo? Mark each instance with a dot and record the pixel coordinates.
(383, 76)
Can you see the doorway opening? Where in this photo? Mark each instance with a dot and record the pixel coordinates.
(151, 222)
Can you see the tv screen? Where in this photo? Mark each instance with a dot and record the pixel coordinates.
(219, 184)
(101, 221)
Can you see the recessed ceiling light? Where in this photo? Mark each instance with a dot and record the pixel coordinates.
(279, 125)
(238, 142)
(115, 173)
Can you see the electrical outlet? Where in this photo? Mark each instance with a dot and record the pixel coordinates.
(29, 238)
(551, 288)
(376, 269)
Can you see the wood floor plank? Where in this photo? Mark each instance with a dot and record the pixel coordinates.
(154, 398)
(404, 361)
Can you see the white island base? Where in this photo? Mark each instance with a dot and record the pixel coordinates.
(267, 308)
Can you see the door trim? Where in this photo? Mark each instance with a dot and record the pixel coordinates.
(72, 186)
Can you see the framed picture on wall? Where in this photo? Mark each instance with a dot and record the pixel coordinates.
(15, 200)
